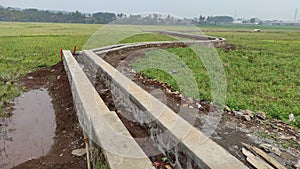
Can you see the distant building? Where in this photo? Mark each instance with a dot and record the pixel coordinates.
(241, 21)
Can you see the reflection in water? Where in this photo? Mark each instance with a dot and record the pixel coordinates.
(29, 132)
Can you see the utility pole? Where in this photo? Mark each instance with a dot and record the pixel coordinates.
(235, 14)
(296, 13)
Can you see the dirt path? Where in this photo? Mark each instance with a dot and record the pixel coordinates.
(68, 135)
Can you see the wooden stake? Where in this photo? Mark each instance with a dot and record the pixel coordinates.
(86, 141)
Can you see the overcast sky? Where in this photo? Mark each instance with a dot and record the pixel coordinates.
(265, 9)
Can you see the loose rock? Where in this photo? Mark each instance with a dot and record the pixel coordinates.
(269, 148)
(79, 152)
(261, 115)
(191, 100)
(246, 118)
(286, 156)
(226, 108)
(248, 113)
(297, 165)
(283, 137)
(167, 166)
(199, 105)
(174, 71)
(291, 117)
(238, 114)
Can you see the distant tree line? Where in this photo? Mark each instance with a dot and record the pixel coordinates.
(213, 20)
(34, 15)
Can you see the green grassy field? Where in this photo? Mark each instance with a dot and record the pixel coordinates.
(26, 47)
(262, 74)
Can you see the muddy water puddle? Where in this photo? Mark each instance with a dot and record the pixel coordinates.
(29, 132)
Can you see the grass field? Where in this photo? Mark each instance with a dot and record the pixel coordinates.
(262, 74)
(26, 47)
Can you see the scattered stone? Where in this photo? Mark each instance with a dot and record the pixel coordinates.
(199, 105)
(133, 71)
(283, 137)
(104, 90)
(191, 107)
(276, 151)
(30, 77)
(58, 77)
(248, 113)
(31, 158)
(176, 93)
(226, 108)
(185, 105)
(291, 117)
(270, 149)
(266, 147)
(79, 152)
(238, 114)
(297, 165)
(255, 160)
(191, 100)
(61, 155)
(286, 156)
(174, 71)
(167, 166)
(246, 118)
(261, 115)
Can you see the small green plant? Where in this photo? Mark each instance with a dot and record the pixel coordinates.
(99, 165)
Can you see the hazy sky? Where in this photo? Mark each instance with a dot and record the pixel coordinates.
(265, 9)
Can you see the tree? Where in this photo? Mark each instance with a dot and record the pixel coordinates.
(220, 19)
(252, 20)
(201, 19)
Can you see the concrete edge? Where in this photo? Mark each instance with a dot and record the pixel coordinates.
(217, 43)
(202, 147)
(93, 116)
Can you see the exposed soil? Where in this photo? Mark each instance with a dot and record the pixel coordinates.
(68, 135)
